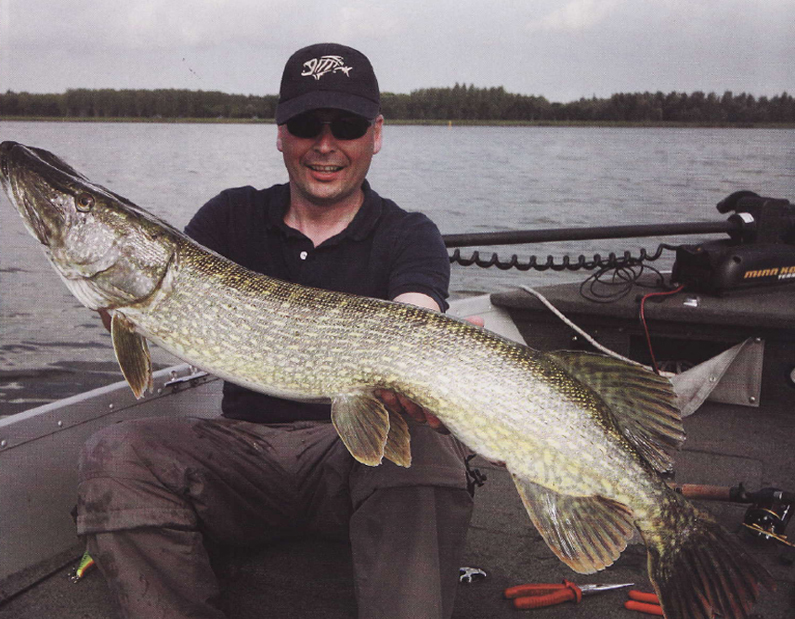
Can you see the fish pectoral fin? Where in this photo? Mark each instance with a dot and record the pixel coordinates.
(132, 353)
(642, 403)
(362, 422)
(587, 533)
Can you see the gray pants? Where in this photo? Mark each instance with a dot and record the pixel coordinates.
(152, 492)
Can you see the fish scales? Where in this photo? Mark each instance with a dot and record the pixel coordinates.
(583, 436)
(428, 357)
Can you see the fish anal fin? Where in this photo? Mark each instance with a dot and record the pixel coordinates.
(132, 353)
(642, 403)
(587, 533)
(362, 422)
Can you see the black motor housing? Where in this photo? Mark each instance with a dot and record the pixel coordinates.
(722, 266)
(760, 252)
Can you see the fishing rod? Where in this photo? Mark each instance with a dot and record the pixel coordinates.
(767, 516)
(520, 237)
(754, 219)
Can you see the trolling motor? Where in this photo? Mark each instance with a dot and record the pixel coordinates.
(759, 252)
(767, 516)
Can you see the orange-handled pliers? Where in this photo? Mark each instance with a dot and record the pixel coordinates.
(539, 595)
(647, 603)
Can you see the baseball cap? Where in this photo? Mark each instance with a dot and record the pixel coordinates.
(328, 75)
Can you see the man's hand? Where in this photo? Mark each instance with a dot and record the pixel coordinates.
(401, 404)
(106, 318)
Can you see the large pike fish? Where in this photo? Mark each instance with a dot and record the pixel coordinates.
(584, 436)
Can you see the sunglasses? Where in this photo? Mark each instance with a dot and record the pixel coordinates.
(348, 127)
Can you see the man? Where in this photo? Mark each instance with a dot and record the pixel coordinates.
(153, 492)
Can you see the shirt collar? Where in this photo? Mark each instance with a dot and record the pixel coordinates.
(361, 226)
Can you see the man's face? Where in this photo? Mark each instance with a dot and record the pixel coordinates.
(324, 169)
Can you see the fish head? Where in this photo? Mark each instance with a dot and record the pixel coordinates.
(109, 252)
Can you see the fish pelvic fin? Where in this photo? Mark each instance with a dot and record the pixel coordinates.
(642, 403)
(398, 441)
(587, 533)
(370, 431)
(132, 353)
(698, 568)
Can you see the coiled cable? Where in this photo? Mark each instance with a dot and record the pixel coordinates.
(612, 261)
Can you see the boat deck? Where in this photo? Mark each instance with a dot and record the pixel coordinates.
(312, 578)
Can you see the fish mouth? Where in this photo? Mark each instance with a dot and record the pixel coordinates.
(23, 175)
(6, 149)
(3, 164)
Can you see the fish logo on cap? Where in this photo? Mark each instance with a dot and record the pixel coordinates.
(318, 67)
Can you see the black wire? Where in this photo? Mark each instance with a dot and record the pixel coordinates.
(622, 281)
(623, 272)
(565, 264)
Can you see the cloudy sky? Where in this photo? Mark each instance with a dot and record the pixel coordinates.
(560, 49)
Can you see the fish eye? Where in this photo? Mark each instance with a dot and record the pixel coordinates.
(84, 202)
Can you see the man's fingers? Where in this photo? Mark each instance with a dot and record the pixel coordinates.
(435, 423)
(411, 409)
(478, 321)
(106, 318)
(401, 404)
(387, 397)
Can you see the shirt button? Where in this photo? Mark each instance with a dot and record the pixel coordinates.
(303, 255)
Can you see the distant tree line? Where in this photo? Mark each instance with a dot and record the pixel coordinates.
(461, 102)
(470, 103)
(160, 103)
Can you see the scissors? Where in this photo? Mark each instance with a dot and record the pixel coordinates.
(539, 595)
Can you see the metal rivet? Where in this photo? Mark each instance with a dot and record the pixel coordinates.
(752, 400)
(60, 424)
(3, 443)
(110, 406)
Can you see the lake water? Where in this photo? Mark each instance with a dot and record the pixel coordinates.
(467, 179)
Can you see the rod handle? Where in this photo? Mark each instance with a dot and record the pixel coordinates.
(710, 493)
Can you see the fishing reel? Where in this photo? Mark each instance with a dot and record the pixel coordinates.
(759, 252)
(768, 516)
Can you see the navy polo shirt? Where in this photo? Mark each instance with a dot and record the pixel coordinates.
(384, 252)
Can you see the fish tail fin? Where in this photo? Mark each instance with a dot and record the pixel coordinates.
(702, 570)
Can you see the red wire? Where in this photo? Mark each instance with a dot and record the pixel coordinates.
(646, 326)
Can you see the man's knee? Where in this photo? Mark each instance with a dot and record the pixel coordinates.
(115, 451)
(128, 479)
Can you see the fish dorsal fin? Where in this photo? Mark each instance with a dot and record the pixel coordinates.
(587, 533)
(132, 353)
(370, 431)
(643, 404)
